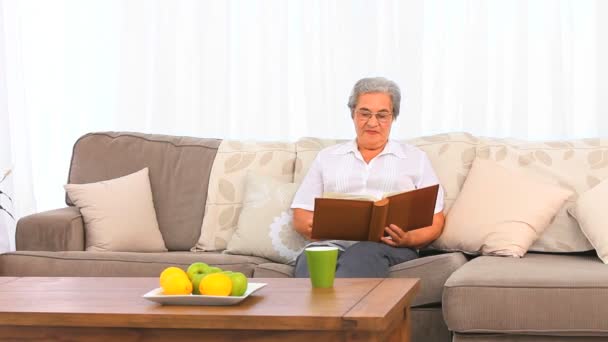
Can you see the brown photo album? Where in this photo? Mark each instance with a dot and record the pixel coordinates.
(362, 218)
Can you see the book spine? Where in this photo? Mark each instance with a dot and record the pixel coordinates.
(378, 220)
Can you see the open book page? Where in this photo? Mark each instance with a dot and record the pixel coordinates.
(393, 193)
(362, 197)
(339, 195)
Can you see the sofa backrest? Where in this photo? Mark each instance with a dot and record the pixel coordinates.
(179, 175)
(198, 183)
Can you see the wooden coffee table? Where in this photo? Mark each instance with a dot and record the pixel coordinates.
(112, 309)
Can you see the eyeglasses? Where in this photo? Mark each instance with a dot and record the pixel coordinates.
(382, 117)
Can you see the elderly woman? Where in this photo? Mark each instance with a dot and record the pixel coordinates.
(371, 164)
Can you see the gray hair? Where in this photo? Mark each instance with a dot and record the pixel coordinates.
(375, 85)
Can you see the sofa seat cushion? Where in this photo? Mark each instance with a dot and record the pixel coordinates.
(273, 270)
(433, 271)
(115, 264)
(538, 294)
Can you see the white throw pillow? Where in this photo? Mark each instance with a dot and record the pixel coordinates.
(119, 214)
(265, 227)
(592, 216)
(499, 211)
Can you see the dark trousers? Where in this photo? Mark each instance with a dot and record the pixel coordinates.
(363, 260)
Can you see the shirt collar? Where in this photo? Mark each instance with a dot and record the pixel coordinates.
(391, 147)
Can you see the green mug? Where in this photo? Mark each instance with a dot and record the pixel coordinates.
(322, 265)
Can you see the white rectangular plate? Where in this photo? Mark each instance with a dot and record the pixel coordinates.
(157, 296)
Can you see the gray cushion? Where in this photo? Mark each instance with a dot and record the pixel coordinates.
(115, 264)
(179, 175)
(537, 294)
(273, 270)
(433, 272)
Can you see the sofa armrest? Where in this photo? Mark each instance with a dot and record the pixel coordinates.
(54, 230)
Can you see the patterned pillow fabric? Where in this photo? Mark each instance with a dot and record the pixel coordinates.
(306, 151)
(452, 155)
(590, 212)
(119, 214)
(226, 185)
(577, 165)
(264, 227)
(499, 211)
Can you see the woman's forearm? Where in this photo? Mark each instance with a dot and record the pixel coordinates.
(419, 238)
(302, 222)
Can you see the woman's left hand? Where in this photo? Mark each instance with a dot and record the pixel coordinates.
(397, 237)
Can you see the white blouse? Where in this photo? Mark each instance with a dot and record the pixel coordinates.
(341, 168)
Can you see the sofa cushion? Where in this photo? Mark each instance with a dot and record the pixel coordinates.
(306, 150)
(273, 270)
(226, 185)
(119, 214)
(500, 211)
(265, 226)
(575, 164)
(591, 214)
(452, 156)
(115, 264)
(179, 175)
(432, 270)
(538, 294)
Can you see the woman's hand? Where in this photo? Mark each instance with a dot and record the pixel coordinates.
(397, 237)
(302, 222)
(417, 238)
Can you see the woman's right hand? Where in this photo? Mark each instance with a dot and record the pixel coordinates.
(302, 222)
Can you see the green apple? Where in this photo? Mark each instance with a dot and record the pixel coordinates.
(197, 268)
(196, 281)
(239, 284)
(213, 269)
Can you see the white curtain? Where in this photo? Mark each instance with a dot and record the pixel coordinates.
(280, 70)
(18, 195)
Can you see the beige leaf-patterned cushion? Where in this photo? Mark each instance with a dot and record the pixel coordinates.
(590, 213)
(226, 185)
(265, 225)
(306, 151)
(452, 155)
(577, 165)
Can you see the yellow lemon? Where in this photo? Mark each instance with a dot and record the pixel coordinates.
(216, 284)
(177, 284)
(170, 271)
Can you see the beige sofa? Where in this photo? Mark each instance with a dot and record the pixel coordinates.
(197, 186)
